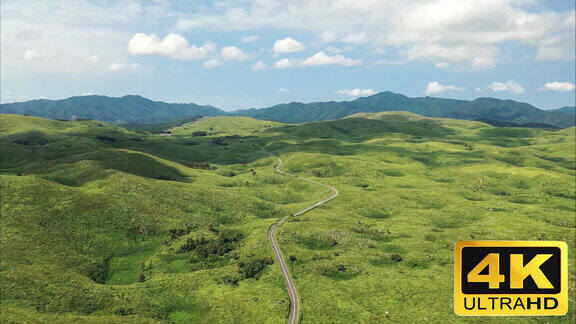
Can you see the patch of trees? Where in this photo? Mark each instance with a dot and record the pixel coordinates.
(99, 271)
(201, 165)
(225, 242)
(175, 232)
(105, 138)
(254, 268)
(396, 257)
(218, 141)
(200, 133)
(38, 141)
(21, 142)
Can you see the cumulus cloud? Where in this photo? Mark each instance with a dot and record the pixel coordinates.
(320, 58)
(172, 45)
(258, 66)
(510, 86)
(250, 39)
(478, 57)
(435, 87)
(470, 32)
(231, 53)
(283, 90)
(65, 33)
(212, 63)
(356, 92)
(288, 45)
(286, 63)
(558, 86)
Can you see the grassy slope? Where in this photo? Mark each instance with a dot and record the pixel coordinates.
(81, 207)
(408, 185)
(225, 126)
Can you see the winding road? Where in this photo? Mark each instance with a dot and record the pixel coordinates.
(292, 294)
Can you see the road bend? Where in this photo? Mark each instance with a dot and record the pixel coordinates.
(292, 294)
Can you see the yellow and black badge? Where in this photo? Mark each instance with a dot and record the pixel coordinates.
(510, 278)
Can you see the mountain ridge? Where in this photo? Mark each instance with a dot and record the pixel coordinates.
(129, 109)
(135, 109)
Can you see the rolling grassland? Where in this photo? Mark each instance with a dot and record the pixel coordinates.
(101, 223)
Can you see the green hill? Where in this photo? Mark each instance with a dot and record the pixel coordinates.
(123, 110)
(104, 224)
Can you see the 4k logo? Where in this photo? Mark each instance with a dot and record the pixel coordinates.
(511, 278)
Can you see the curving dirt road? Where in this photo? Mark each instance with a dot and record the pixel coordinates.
(292, 294)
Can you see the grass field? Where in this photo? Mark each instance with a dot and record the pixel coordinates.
(101, 223)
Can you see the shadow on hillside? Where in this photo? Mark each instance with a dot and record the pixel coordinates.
(63, 163)
(336, 137)
(361, 129)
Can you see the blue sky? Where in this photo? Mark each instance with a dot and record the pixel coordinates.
(256, 53)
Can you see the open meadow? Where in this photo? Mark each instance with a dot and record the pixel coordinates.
(113, 224)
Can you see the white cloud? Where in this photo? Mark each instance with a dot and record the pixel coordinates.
(172, 45)
(478, 57)
(32, 55)
(510, 85)
(355, 38)
(86, 94)
(283, 90)
(332, 49)
(286, 63)
(288, 45)
(471, 33)
(322, 58)
(436, 87)
(212, 63)
(328, 36)
(258, 66)
(356, 92)
(232, 53)
(464, 32)
(250, 39)
(442, 65)
(558, 86)
(65, 33)
(124, 66)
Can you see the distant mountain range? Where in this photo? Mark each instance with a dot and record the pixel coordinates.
(123, 110)
(481, 108)
(139, 110)
(570, 110)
